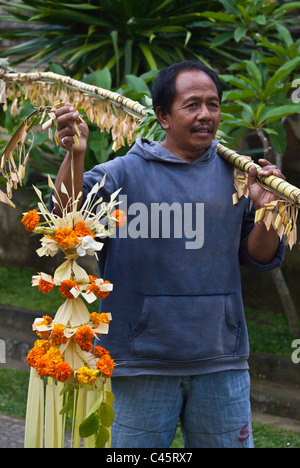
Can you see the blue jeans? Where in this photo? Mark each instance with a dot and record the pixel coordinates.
(214, 410)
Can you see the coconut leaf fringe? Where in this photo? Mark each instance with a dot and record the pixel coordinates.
(280, 214)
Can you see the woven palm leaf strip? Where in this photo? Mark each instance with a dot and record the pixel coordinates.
(120, 116)
(281, 214)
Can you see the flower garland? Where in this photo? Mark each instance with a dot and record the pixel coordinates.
(76, 374)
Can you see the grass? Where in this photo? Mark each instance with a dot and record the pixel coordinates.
(13, 396)
(268, 332)
(18, 280)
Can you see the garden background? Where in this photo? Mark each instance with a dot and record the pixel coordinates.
(120, 45)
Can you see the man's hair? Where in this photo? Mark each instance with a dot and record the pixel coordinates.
(164, 88)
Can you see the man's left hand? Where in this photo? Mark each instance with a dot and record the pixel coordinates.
(257, 193)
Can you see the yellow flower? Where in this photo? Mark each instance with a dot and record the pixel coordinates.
(86, 376)
(54, 355)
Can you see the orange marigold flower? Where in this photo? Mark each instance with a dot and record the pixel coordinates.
(104, 294)
(82, 230)
(44, 334)
(66, 237)
(99, 318)
(45, 286)
(106, 365)
(93, 288)
(97, 291)
(65, 288)
(31, 220)
(45, 367)
(63, 371)
(99, 351)
(42, 344)
(120, 216)
(57, 336)
(34, 356)
(84, 337)
(92, 278)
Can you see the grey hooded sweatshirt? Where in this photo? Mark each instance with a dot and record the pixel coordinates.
(177, 305)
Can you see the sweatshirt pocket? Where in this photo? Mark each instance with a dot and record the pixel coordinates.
(185, 328)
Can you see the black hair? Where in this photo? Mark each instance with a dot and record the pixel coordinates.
(164, 89)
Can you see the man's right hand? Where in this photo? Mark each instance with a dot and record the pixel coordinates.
(66, 117)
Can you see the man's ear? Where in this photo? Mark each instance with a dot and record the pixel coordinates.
(162, 117)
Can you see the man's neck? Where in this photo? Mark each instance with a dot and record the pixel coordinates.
(189, 156)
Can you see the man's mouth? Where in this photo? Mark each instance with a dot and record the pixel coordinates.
(204, 130)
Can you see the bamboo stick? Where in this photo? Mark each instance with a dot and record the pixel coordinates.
(128, 105)
(272, 183)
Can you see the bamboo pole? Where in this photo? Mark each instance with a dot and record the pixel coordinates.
(275, 184)
(126, 104)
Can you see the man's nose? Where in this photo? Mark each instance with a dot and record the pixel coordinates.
(203, 113)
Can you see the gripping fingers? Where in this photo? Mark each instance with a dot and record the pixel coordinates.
(66, 117)
(270, 169)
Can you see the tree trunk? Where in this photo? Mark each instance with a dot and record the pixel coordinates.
(287, 301)
(277, 276)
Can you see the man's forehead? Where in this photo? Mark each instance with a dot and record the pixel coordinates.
(195, 82)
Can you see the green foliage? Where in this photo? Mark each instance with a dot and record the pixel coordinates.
(101, 418)
(258, 99)
(127, 37)
(245, 23)
(268, 332)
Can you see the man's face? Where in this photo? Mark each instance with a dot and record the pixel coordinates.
(195, 115)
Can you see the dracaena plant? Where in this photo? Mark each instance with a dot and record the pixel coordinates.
(258, 100)
(246, 24)
(127, 37)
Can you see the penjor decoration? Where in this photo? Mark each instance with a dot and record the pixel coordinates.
(69, 376)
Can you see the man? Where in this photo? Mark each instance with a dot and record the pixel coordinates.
(178, 332)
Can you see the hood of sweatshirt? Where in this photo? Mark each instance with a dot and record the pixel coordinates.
(154, 151)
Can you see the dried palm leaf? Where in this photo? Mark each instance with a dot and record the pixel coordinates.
(281, 214)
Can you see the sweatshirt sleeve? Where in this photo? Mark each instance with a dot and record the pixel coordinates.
(244, 257)
(95, 176)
